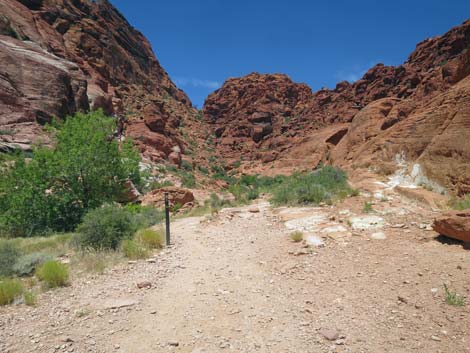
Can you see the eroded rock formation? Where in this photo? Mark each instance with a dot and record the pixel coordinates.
(64, 56)
(418, 110)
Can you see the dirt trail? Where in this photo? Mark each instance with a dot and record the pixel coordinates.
(237, 283)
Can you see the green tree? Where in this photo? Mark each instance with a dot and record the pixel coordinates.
(57, 186)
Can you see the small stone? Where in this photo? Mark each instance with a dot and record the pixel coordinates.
(253, 209)
(378, 236)
(144, 284)
(313, 240)
(173, 343)
(131, 262)
(435, 338)
(402, 299)
(329, 334)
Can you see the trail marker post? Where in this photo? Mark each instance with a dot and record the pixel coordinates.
(167, 219)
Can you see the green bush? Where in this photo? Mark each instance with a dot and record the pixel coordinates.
(106, 227)
(27, 264)
(460, 204)
(133, 250)
(297, 236)
(56, 187)
(176, 207)
(53, 273)
(145, 216)
(253, 194)
(452, 298)
(10, 289)
(326, 184)
(188, 180)
(160, 184)
(9, 253)
(367, 208)
(216, 203)
(29, 298)
(150, 238)
(186, 166)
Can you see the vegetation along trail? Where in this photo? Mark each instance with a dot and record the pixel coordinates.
(237, 282)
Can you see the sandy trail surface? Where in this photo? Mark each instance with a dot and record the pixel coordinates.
(236, 283)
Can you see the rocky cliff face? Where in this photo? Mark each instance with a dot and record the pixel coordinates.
(68, 55)
(257, 111)
(416, 111)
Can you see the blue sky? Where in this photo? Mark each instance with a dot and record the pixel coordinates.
(202, 43)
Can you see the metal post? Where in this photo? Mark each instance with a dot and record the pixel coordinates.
(167, 217)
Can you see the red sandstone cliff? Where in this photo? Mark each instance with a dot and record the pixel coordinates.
(61, 56)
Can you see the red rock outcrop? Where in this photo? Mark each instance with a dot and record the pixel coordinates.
(418, 110)
(454, 224)
(176, 195)
(35, 85)
(104, 63)
(256, 114)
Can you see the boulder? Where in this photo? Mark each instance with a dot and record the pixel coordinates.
(176, 195)
(175, 156)
(130, 193)
(454, 224)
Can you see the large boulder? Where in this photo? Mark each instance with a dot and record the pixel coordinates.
(176, 195)
(454, 224)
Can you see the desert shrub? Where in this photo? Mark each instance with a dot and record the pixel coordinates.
(203, 169)
(106, 227)
(56, 187)
(186, 166)
(216, 203)
(355, 192)
(160, 184)
(240, 192)
(27, 264)
(253, 194)
(29, 298)
(53, 273)
(452, 298)
(326, 184)
(188, 180)
(150, 238)
(460, 204)
(296, 236)
(367, 208)
(10, 289)
(9, 253)
(299, 193)
(145, 216)
(133, 250)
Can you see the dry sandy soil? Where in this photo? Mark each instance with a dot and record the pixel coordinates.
(237, 283)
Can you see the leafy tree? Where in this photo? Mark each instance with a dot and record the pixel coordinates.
(57, 186)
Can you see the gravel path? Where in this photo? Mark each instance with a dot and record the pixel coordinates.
(237, 283)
